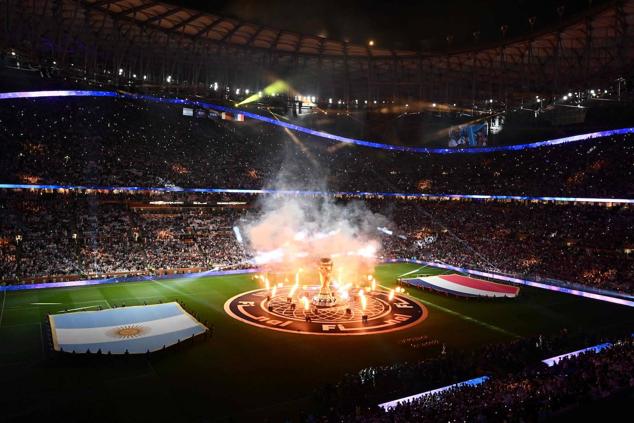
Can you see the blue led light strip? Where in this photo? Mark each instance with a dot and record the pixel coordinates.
(386, 406)
(363, 194)
(320, 134)
(595, 349)
(57, 93)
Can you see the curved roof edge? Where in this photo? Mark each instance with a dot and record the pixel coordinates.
(199, 25)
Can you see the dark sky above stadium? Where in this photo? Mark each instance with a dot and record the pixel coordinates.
(410, 24)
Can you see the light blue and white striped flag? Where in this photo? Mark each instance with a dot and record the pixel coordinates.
(136, 329)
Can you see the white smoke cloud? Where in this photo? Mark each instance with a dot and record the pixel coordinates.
(293, 233)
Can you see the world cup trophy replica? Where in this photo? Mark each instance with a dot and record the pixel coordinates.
(325, 298)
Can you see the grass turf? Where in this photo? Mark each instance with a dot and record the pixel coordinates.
(244, 372)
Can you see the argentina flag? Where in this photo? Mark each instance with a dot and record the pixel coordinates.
(135, 329)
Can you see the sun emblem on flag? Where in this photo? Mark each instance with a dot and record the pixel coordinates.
(128, 331)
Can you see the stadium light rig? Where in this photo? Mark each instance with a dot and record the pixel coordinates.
(273, 89)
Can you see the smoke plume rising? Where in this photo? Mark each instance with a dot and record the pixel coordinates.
(294, 232)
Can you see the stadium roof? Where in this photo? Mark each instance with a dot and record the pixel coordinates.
(198, 25)
(194, 24)
(197, 48)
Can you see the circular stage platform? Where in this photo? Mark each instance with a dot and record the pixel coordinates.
(383, 315)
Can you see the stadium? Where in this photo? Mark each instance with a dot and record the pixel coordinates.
(247, 211)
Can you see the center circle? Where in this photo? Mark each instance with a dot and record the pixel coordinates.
(381, 314)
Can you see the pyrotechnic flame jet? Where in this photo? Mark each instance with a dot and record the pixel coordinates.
(292, 292)
(306, 303)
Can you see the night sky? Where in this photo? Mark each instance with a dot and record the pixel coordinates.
(418, 25)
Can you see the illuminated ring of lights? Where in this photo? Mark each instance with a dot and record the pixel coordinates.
(252, 308)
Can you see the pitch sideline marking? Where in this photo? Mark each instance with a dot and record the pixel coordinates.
(464, 316)
(80, 308)
(39, 305)
(413, 271)
(96, 301)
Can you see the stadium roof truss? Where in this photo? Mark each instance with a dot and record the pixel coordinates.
(156, 39)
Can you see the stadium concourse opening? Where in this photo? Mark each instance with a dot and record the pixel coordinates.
(245, 212)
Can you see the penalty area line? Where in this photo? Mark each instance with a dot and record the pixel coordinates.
(465, 317)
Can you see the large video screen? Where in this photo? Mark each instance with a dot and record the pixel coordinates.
(470, 135)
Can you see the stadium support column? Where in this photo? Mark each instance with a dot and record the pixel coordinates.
(320, 67)
(504, 79)
(395, 76)
(369, 77)
(347, 76)
(621, 31)
(447, 67)
(587, 52)
(555, 86)
(68, 35)
(420, 76)
(528, 85)
(6, 24)
(556, 82)
(476, 37)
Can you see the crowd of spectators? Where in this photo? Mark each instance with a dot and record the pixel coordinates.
(43, 235)
(520, 388)
(588, 244)
(60, 235)
(120, 142)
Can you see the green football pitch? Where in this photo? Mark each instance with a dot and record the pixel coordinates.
(243, 372)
